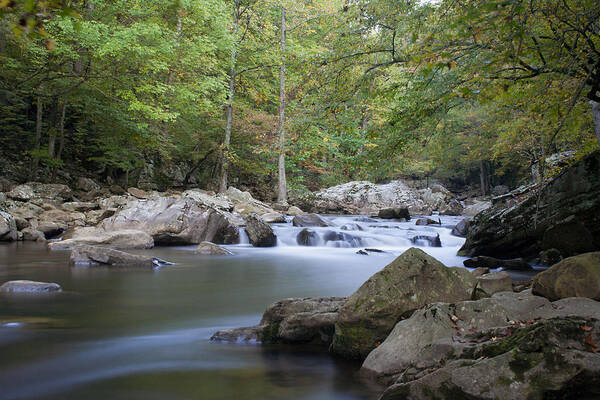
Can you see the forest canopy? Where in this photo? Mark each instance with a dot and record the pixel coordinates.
(170, 93)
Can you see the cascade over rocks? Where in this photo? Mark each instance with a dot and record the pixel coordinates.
(295, 320)
(411, 281)
(563, 215)
(259, 232)
(577, 276)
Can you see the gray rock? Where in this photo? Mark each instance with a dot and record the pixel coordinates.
(245, 203)
(425, 240)
(123, 239)
(310, 220)
(577, 276)
(452, 208)
(491, 283)
(211, 249)
(394, 213)
(137, 193)
(33, 235)
(80, 206)
(97, 255)
(293, 211)
(306, 320)
(411, 281)
(29, 287)
(8, 227)
(274, 217)
(259, 232)
(86, 184)
(477, 207)
(219, 202)
(427, 221)
(21, 193)
(462, 228)
(174, 220)
(500, 190)
(480, 271)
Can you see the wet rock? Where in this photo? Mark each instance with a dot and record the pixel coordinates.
(425, 240)
(307, 237)
(517, 264)
(365, 219)
(294, 211)
(394, 213)
(351, 227)
(120, 239)
(411, 281)
(29, 287)
(274, 217)
(550, 257)
(462, 228)
(296, 320)
(97, 255)
(427, 221)
(86, 184)
(174, 220)
(8, 227)
(51, 229)
(549, 359)
(33, 235)
(343, 239)
(577, 276)
(211, 249)
(452, 208)
(259, 232)
(309, 220)
(491, 283)
(555, 211)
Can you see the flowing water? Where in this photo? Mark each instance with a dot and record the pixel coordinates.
(143, 334)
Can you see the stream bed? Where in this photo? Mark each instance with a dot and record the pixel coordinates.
(143, 334)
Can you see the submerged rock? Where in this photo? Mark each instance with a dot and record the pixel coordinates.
(516, 264)
(307, 237)
(577, 276)
(211, 249)
(96, 255)
(296, 320)
(427, 221)
(259, 232)
(411, 281)
(29, 287)
(394, 213)
(310, 220)
(431, 241)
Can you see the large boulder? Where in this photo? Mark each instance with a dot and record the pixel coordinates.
(54, 192)
(21, 193)
(122, 239)
(96, 255)
(307, 320)
(310, 220)
(29, 287)
(362, 197)
(491, 283)
(562, 214)
(452, 208)
(577, 276)
(245, 203)
(477, 207)
(8, 227)
(436, 333)
(307, 237)
(219, 202)
(259, 232)
(86, 184)
(462, 228)
(555, 358)
(411, 281)
(174, 220)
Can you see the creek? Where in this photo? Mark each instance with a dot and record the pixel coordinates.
(143, 334)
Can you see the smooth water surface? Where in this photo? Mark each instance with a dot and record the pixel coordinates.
(143, 334)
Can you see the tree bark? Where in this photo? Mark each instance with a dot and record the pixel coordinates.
(282, 195)
(38, 135)
(229, 106)
(61, 131)
(596, 114)
(55, 133)
(483, 177)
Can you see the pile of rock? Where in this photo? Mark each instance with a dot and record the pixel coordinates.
(429, 331)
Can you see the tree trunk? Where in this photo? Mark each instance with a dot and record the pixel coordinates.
(38, 135)
(483, 178)
(282, 195)
(229, 107)
(54, 133)
(596, 114)
(61, 131)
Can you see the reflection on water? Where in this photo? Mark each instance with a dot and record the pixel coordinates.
(139, 334)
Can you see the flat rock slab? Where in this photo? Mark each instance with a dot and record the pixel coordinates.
(29, 287)
(211, 249)
(96, 255)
